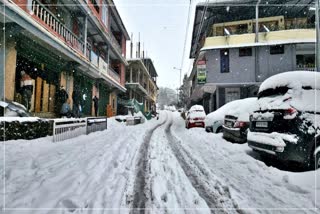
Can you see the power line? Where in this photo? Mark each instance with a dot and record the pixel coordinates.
(185, 40)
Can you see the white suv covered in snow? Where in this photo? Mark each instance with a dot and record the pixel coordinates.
(287, 122)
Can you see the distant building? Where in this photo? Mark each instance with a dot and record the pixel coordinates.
(141, 82)
(231, 60)
(79, 45)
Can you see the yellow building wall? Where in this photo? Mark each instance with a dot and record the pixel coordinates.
(284, 36)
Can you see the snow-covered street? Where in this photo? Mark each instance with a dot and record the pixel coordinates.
(158, 165)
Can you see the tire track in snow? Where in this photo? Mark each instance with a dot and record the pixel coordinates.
(141, 184)
(216, 195)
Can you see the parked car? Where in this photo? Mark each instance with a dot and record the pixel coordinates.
(287, 122)
(195, 117)
(236, 121)
(13, 109)
(214, 121)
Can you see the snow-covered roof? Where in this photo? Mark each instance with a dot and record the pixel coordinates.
(292, 79)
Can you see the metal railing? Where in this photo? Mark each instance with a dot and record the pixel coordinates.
(95, 124)
(68, 128)
(114, 75)
(305, 68)
(114, 42)
(45, 15)
(64, 129)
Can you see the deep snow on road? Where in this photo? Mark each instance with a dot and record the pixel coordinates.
(159, 165)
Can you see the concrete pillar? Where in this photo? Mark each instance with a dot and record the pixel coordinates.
(131, 75)
(85, 35)
(138, 79)
(217, 97)
(2, 61)
(10, 62)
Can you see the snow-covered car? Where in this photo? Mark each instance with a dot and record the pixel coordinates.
(236, 120)
(13, 109)
(195, 117)
(287, 122)
(214, 121)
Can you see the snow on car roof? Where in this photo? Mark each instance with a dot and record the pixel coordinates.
(218, 115)
(244, 109)
(292, 79)
(196, 108)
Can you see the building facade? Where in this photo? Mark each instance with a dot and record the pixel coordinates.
(141, 82)
(231, 59)
(80, 47)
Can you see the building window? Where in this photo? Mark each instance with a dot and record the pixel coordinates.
(245, 52)
(232, 94)
(306, 61)
(277, 49)
(105, 14)
(224, 61)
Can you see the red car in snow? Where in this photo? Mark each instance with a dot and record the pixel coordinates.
(195, 117)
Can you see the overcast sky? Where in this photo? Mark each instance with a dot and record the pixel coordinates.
(162, 26)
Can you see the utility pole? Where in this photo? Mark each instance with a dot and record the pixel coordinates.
(257, 41)
(180, 69)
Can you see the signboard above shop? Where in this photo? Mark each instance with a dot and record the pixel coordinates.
(201, 72)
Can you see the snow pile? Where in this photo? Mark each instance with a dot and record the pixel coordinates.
(19, 119)
(244, 108)
(273, 139)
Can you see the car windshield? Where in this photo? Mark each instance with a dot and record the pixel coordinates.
(271, 92)
(159, 106)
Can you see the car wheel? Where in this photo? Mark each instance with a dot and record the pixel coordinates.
(315, 160)
(219, 130)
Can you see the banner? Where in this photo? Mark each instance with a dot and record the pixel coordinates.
(201, 72)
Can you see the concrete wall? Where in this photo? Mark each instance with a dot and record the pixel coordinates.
(242, 69)
(274, 64)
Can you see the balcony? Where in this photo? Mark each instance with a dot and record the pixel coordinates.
(270, 38)
(114, 42)
(114, 75)
(53, 24)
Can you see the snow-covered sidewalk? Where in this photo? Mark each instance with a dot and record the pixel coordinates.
(90, 173)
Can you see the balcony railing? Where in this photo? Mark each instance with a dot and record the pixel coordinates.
(53, 23)
(114, 75)
(114, 42)
(305, 68)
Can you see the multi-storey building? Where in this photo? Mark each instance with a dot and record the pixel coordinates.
(232, 58)
(141, 82)
(75, 44)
